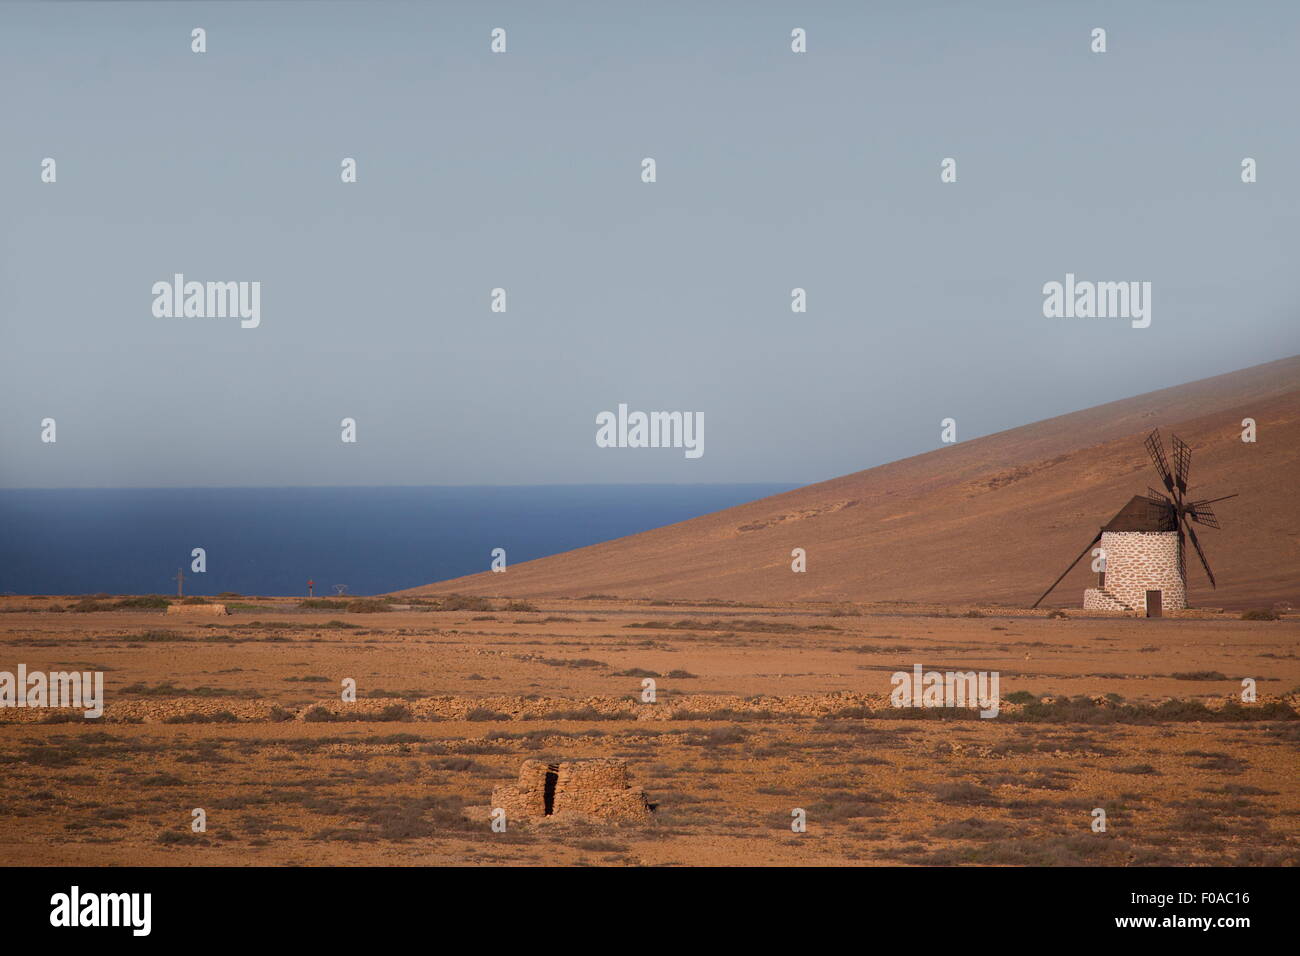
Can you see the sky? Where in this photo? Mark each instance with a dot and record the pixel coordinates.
(522, 170)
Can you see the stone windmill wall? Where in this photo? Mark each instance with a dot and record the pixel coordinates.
(1138, 561)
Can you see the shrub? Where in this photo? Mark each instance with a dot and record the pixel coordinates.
(974, 828)
(145, 600)
(484, 713)
(87, 605)
(367, 606)
(162, 780)
(462, 602)
(154, 637)
(964, 794)
(724, 736)
(589, 713)
(1261, 614)
(319, 715)
(194, 717)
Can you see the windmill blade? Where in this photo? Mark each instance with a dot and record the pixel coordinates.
(1215, 501)
(1068, 570)
(1202, 513)
(1157, 452)
(1201, 554)
(1156, 496)
(1160, 509)
(1182, 463)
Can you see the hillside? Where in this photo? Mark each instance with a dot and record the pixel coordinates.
(990, 520)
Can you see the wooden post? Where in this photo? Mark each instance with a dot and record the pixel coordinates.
(1068, 570)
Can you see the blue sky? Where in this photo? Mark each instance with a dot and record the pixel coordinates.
(522, 171)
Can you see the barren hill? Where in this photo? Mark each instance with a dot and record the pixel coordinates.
(990, 520)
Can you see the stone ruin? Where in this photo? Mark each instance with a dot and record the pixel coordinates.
(574, 790)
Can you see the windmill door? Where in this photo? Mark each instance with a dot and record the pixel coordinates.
(1154, 608)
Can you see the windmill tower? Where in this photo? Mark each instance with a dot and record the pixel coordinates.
(1143, 548)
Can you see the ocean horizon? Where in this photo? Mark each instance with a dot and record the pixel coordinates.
(272, 541)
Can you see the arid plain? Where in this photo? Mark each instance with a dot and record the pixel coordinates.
(771, 688)
(759, 711)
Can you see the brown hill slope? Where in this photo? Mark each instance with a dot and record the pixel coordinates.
(991, 520)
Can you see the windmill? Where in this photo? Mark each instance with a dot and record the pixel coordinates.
(1172, 510)
(1144, 545)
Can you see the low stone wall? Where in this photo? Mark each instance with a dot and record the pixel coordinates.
(711, 711)
(210, 609)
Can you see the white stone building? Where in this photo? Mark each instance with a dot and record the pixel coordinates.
(1141, 568)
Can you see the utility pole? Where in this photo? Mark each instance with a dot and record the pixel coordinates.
(180, 582)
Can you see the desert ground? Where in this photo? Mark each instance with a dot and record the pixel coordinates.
(760, 710)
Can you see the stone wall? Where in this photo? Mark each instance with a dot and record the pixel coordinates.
(527, 798)
(1135, 562)
(210, 609)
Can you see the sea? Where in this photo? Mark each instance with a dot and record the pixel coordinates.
(272, 541)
